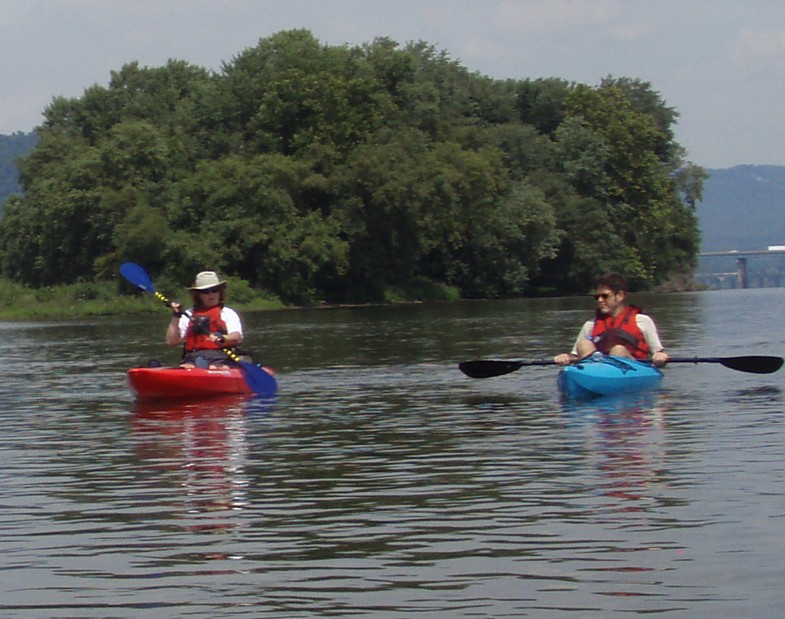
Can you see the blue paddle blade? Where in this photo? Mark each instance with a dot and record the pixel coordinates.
(258, 380)
(136, 275)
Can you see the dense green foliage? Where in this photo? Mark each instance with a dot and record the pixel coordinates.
(12, 147)
(339, 173)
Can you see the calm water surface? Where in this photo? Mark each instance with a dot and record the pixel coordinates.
(383, 483)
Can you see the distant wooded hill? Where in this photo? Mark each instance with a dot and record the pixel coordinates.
(11, 147)
(743, 208)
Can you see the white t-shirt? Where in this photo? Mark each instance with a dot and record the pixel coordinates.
(645, 324)
(228, 315)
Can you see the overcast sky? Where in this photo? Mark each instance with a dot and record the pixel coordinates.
(720, 63)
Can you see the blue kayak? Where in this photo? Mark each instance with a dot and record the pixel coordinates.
(601, 375)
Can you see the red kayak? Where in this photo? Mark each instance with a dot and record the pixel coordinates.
(187, 383)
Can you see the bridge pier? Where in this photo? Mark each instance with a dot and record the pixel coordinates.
(741, 263)
(741, 276)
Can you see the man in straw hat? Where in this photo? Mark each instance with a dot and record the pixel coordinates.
(210, 328)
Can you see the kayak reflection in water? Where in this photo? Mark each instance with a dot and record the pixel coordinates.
(617, 329)
(208, 327)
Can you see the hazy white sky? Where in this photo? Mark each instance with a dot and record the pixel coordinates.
(720, 63)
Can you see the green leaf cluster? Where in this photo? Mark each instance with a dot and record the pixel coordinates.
(340, 173)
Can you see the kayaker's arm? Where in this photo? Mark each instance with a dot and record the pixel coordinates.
(658, 356)
(173, 332)
(582, 347)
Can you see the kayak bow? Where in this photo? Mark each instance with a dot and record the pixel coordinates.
(601, 375)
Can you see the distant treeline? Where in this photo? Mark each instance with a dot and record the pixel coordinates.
(342, 173)
(11, 148)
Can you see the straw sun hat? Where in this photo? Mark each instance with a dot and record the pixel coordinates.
(206, 280)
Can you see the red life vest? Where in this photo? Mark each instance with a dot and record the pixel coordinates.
(199, 338)
(622, 329)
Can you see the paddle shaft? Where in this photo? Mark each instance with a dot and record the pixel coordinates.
(754, 364)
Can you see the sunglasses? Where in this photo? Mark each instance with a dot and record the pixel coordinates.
(210, 290)
(603, 295)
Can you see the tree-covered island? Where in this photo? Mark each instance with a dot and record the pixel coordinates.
(315, 173)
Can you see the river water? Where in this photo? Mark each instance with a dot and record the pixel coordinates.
(381, 482)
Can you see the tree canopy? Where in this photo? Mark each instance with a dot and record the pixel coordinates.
(335, 173)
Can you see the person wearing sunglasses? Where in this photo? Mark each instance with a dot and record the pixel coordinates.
(208, 327)
(617, 328)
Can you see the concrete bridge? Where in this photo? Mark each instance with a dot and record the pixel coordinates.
(741, 264)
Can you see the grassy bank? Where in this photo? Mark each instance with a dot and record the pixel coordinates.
(18, 302)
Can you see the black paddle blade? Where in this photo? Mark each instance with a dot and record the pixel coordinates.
(488, 369)
(755, 364)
